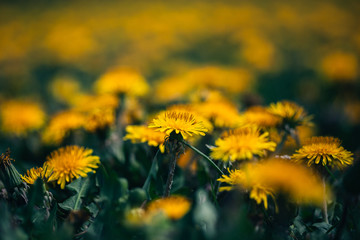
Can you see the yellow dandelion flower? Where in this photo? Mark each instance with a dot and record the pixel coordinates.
(64, 88)
(174, 207)
(67, 163)
(180, 122)
(187, 160)
(340, 66)
(122, 81)
(214, 77)
(260, 117)
(301, 184)
(60, 125)
(19, 117)
(237, 178)
(290, 113)
(172, 88)
(141, 134)
(190, 109)
(241, 144)
(98, 110)
(324, 151)
(33, 174)
(222, 113)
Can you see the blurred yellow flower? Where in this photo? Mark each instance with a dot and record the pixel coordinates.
(283, 176)
(290, 113)
(184, 123)
(187, 160)
(98, 110)
(33, 174)
(172, 88)
(242, 144)
(237, 178)
(20, 117)
(174, 207)
(141, 134)
(260, 117)
(67, 163)
(122, 81)
(136, 216)
(65, 88)
(60, 125)
(340, 66)
(324, 151)
(221, 113)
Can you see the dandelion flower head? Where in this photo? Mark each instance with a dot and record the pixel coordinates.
(260, 116)
(174, 207)
(67, 163)
(33, 174)
(140, 134)
(290, 113)
(323, 151)
(242, 144)
(122, 81)
(20, 117)
(180, 122)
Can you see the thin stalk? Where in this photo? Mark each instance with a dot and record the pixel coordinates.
(328, 170)
(170, 178)
(204, 156)
(281, 143)
(325, 210)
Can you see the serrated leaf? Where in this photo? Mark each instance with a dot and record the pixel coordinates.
(80, 187)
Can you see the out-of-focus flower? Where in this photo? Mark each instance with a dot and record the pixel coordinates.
(174, 207)
(340, 66)
(290, 113)
(220, 78)
(65, 89)
(172, 89)
(184, 123)
(187, 160)
(20, 117)
(242, 144)
(237, 178)
(352, 110)
(324, 151)
(221, 113)
(98, 110)
(298, 182)
(260, 117)
(67, 163)
(136, 216)
(33, 174)
(60, 125)
(122, 81)
(141, 134)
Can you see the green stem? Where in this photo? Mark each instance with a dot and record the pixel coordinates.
(169, 181)
(281, 143)
(204, 156)
(325, 210)
(328, 170)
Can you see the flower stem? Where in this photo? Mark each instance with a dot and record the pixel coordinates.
(281, 143)
(325, 210)
(204, 156)
(170, 178)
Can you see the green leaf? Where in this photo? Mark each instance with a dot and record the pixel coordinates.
(80, 187)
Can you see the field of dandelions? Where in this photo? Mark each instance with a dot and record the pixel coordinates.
(179, 120)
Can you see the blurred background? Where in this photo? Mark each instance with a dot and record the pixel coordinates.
(306, 51)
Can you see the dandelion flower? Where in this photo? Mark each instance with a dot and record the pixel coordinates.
(222, 113)
(174, 207)
(20, 117)
(65, 88)
(122, 81)
(340, 66)
(67, 163)
(33, 174)
(140, 134)
(180, 122)
(260, 117)
(299, 183)
(172, 88)
(290, 113)
(324, 151)
(237, 178)
(60, 125)
(241, 144)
